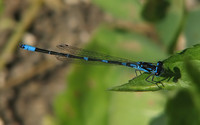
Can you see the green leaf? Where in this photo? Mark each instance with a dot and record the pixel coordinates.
(193, 69)
(121, 9)
(159, 120)
(192, 27)
(140, 84)
(168, 28)
(175, 74)
(155, 10)
(181, 110)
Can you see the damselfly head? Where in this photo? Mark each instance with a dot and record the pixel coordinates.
(159, 63)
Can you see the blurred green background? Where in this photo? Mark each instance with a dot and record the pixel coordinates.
(38, 89)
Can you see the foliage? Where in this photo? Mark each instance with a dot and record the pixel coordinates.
(192, 27)
(86, 102)
(184, 108)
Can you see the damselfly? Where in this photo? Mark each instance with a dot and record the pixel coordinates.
(154, 69)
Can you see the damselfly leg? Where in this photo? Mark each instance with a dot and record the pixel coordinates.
(152, 80)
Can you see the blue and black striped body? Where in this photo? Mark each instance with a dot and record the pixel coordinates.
(141, 66)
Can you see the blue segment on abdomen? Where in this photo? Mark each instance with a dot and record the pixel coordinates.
(67, 55)
(85, 58)
(124, 63)
(29, 48)
(106, 61)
